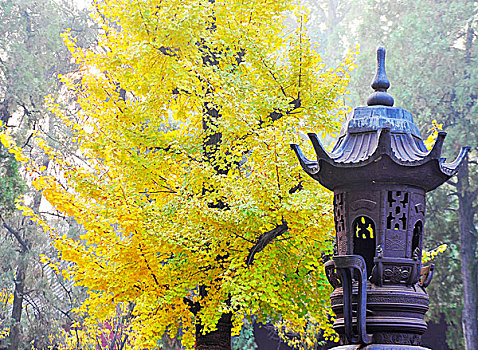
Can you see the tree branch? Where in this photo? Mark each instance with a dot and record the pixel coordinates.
(25, 244)
(168, 51)
(473, 196)
(296, 188)
(264, 239)
(194, 307)
(450, 182)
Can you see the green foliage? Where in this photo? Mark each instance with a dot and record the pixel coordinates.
(32, 55)
(446, 295)
(245, 340)
(11, 184)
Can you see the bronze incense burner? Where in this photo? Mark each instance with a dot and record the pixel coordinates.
(380, 172)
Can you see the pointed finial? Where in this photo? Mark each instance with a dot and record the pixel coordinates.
(380, 83)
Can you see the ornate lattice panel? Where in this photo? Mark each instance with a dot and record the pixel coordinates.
(397, 210)
(416, 219)
(339, 218)
(396, 223)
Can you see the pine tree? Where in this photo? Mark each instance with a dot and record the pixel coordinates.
(32, 56)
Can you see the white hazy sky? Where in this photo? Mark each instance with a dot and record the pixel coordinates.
(82, 3)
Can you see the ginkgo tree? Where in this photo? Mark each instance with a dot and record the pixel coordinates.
(195, 211)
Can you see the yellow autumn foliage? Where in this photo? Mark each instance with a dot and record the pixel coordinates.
(144, 188)
(429, 255)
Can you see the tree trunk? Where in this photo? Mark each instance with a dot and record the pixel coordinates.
(14, 335)
(469, 270)
(220, 339)
(15, 331)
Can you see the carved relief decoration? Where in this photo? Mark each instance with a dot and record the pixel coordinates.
(366, 204)
(337, 300)
(398, 338)
(416, 221)
(341, 245)
(397, 274)
(395, 241)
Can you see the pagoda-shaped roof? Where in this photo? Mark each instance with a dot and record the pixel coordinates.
(380, 144)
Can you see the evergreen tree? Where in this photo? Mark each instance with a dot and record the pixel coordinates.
(32, 56)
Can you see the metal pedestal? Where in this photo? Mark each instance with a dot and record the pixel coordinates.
(379, 347)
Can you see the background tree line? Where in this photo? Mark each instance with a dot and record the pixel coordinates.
(35, 302)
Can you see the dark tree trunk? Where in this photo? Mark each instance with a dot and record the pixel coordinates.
(14, 335)
(25, 246)
(469, 261)
(219, 339)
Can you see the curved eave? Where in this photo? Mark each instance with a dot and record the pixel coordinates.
(309, 166)
(359, 150)
(450, 169)
(356, 152)
(384, 170)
